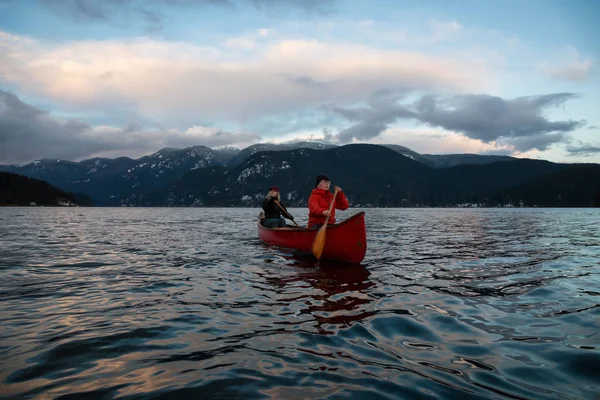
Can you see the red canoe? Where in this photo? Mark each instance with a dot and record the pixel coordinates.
(346, 241)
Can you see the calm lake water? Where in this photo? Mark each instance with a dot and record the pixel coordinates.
(185, 303)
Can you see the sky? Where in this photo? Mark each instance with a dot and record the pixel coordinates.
(108, 78)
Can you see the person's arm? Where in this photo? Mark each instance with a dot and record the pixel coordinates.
(341, 202)
(285, 213)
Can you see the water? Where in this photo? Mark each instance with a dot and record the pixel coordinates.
(167, 303)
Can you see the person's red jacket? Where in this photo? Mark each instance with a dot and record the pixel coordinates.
(319, 201)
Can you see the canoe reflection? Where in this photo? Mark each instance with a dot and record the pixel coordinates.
(336, 295)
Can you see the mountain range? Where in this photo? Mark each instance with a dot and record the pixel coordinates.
(371, 176)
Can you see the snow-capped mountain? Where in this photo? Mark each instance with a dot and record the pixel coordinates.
(371, 175)
(125, 181)
(256, 148)
(122, 180)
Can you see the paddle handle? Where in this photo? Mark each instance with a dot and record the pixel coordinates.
(285, 211)
(330, 208)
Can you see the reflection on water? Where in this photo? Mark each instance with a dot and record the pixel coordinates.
(337, 296)
(153, 303)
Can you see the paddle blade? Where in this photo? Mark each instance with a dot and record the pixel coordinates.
(319, 243)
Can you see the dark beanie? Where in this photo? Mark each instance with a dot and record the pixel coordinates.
(321, 178)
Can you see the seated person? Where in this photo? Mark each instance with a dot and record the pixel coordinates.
(273, 218)
(319, 201)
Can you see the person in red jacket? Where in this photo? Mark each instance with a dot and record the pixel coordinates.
(319, 201)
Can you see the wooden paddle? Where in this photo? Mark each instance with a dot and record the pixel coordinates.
(319, 242)
(285, 211)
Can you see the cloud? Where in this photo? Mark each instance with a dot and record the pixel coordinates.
(126, 13)
(382, 109)
(250, 40)
(28, 133)
(214, 137)
(583, 149)
(539, 142)
(106, 10)
(488, 118)
(241, 43)
(444, 30)
(309, 6)
(567, 65)
(426, 140)
(519, 122)
(575, 71)
(112, 11)
(211, 83)
(152, 12)
(405, 33)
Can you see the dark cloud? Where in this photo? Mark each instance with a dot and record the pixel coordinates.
(540, 142)
(519, 122)
(151, 12)
(583, 149)
(85, 9)
(328, 137)
(28, 133)
(91, 9)
(382, 109)
(307, 82)
(123, 12)
(489, 118)
(154, 19)
(310, 6)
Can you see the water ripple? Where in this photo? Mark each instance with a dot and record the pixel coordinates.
(167, 303)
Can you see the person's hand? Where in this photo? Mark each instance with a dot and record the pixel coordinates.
(337, 189)
(326, 213)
